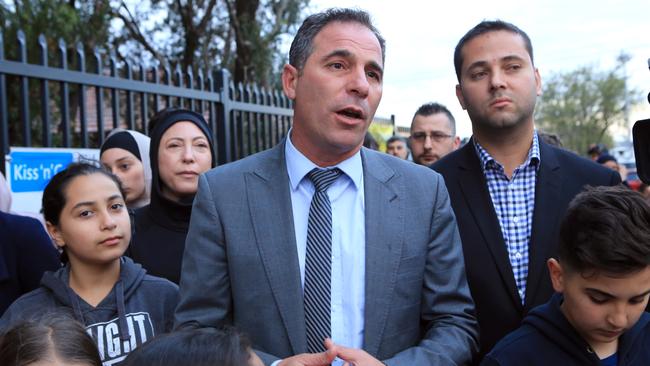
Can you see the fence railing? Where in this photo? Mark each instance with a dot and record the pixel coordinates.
(62, 106)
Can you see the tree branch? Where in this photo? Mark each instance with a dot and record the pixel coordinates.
(134, 30)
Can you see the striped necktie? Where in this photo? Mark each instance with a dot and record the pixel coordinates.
(318, 260)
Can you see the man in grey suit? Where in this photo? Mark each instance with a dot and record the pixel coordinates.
(395, 280)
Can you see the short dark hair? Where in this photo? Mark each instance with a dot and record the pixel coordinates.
(606, 229)
(484, 27)
(303, 42)
(54, 195)
(197, 347)
(396, 138)
(35, 340)
(433, 108)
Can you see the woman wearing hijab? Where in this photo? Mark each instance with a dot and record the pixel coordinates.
(125, 153)
(181, 149)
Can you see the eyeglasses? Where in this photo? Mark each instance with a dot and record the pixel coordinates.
(435, 136)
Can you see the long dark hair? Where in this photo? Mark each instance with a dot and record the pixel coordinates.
(36, 340)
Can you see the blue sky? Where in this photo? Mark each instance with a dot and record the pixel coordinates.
(421, 36)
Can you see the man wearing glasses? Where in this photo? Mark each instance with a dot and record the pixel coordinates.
(433, 134)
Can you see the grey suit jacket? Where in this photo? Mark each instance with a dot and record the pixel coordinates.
(240, 265)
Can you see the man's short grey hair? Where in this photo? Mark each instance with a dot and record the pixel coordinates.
(302, 45)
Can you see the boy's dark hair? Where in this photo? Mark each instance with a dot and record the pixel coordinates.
(37, 340)
(606, 229)
(484, 27)
(197, 347)
(303, 43)
(54, 197)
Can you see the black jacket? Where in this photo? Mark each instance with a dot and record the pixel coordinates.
(547, 338)
(561, 176)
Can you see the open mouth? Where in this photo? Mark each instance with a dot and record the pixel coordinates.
(351, 113)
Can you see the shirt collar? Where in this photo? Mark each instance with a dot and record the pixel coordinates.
(487, 161)
(298, 165)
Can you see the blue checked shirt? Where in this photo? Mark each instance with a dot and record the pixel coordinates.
(514, 201)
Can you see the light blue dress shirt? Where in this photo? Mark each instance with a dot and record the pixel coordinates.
(348, 239)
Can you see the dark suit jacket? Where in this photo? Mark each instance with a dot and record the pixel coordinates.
(561, 176)
(240, 264)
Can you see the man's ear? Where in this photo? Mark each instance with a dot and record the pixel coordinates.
(289, 81)
(55, 234)
(456, 143)
(459, 95)
(557, 274)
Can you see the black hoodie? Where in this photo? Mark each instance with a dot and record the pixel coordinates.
(138, 307)
(547, 338)
(160, 228)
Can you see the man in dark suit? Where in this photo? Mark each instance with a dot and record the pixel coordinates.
(508, 188)
(391, 282)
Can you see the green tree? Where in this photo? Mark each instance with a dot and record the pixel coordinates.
(582, 105)
(85, 22)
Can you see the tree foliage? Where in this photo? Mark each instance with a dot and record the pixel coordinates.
(582, 106)
(241, 35)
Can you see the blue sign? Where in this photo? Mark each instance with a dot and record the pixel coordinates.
(31, 171)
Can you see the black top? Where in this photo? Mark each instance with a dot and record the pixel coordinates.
(158, 238)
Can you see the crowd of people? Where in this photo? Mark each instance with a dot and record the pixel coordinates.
(507, 250)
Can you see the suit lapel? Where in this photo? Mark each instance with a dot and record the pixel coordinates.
(271, 214)
(478, 201)
(383, 245)
(545, 218)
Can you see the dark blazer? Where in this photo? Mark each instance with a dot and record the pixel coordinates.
(561, 176)
(241, 267)
(26, 252)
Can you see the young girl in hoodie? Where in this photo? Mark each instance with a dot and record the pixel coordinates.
(120, 306)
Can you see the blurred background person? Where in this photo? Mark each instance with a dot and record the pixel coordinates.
(125, 153)
(610, 162)
(397, 146)
(433, 133)
(181, 149)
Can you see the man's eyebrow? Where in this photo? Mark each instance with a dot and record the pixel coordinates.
(512, 58)
(337, 53)
(345, 53)
(483, 63)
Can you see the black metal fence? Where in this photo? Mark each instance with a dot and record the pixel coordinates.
(43, 105)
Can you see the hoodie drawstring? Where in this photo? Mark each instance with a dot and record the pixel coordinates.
(125, 335)
(76, 307)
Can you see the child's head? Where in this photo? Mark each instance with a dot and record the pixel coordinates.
(197, 347)
(50, 341)
(603, 269)
(85, 214)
